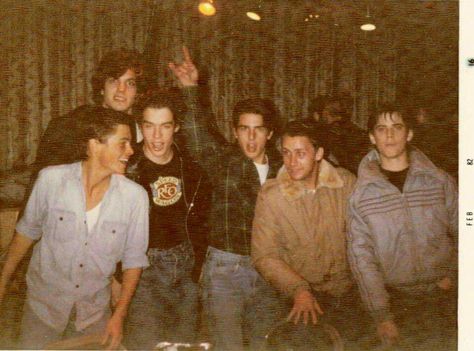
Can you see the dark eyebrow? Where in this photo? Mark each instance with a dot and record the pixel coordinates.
(244, 125)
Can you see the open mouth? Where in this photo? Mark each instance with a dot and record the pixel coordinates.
(119, 98)
(251, 148)
(157, 146)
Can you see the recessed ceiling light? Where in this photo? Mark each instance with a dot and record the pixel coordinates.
(368, 27)
(253, 15)
(207, 8)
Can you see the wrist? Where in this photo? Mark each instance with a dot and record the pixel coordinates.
(299, 287)
(119, 313)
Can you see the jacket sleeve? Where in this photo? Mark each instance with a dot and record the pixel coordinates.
(202, 143)
(199, 239)
(266, 251)
(365, 266)
(451, 195)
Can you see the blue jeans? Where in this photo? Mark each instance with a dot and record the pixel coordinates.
(36, 334)
(165, 304)
(239, 306)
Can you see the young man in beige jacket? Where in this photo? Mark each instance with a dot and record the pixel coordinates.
(298, 237)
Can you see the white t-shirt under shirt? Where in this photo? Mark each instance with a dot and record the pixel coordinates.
(262, 170)
(92, 216)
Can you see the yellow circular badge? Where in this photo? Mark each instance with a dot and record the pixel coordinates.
(166, 191)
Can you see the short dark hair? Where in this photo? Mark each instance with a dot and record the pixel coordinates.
(391, 108)
(314, 131)
(171, 98)
(96, 122)
(339, 105)
(263, 107)
(317, 104)
(114, 64)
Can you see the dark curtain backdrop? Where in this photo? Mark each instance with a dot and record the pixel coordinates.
(50, 48)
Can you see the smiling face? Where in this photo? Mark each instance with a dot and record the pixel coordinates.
(158, 128)
(119, 93)
(114, 152)
(301, 159)
(390, 136)
(252, 136)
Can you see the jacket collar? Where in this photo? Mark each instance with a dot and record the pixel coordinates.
(370, 172)
(292, 190)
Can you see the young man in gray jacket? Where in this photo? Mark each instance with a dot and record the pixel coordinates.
(402, 237)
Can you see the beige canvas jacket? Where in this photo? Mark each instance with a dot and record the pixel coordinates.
(298, 237)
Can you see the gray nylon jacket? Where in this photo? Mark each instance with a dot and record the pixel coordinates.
(405, 241)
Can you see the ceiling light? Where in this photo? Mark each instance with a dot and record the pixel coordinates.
(368, 26)
(207, 7)
(253, 15)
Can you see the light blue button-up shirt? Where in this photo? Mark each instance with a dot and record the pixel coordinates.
(71, 266)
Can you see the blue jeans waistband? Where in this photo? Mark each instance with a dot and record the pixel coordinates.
(181, 251)
(227, 257)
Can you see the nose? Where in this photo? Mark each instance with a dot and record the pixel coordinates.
(129, 150)
(157, 133)
(251, 134)
(121, 85)
(390, 133)
(292, 160)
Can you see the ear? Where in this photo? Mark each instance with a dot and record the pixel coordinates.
(372, 138)
(234, 131)
(102, 92)
(319, 154)
(269, 136)
(410, 135)
(92, 146)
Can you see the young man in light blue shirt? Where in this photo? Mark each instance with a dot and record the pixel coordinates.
(86, 217)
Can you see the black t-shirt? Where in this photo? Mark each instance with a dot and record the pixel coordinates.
(167, 205)
(396, 178)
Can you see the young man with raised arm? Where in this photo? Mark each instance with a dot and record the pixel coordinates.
(240, 307)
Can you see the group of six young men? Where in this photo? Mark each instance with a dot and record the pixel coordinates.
(256, 235)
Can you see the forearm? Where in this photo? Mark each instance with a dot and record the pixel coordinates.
(129, 284)
(281, 276)
(196, 125)
(18, 248)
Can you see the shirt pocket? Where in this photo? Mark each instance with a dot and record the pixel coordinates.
(111, 239)
(62, 225)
